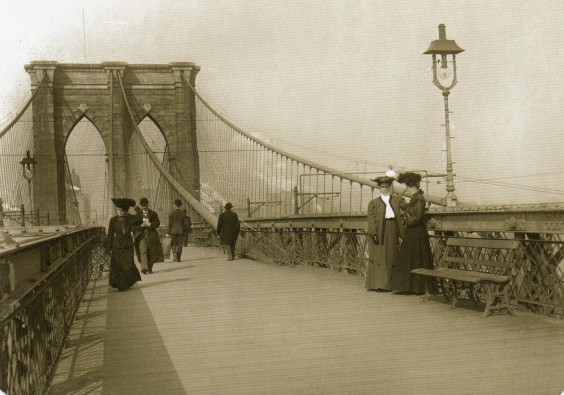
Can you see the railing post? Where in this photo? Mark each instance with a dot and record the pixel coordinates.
(1, 213)
(296, 204)
(22, 210)
(37, 216)
(48, 218)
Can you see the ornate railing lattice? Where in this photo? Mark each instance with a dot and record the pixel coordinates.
(34, 319)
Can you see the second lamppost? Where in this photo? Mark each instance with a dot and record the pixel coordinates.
(444, 78)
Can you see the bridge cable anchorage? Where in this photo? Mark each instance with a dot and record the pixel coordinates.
(209, 217)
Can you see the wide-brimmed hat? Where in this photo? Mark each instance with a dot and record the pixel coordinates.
(409, 178)
(228, 206)
(383, 180)
(177, 202)
(123, 203)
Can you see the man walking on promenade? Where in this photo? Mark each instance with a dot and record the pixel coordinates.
(147, 241)
(177, 229)
(228, 230)
(187, 228)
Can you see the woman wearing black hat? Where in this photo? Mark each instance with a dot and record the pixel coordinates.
(119, 244)
(415, 250)
(384, 231)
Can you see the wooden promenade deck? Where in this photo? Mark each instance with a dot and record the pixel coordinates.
(208, 326)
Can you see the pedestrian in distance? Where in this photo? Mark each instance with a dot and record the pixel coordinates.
(415, 250)
(187, 227)
(119, 244)
(147, 241)
(177, 230)
(228, 228)
(384, 231)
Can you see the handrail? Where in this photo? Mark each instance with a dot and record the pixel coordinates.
(209, 217)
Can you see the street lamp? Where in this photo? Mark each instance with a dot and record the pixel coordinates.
(444, 78)
(28, 163)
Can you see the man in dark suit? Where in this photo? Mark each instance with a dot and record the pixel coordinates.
(187, 228)
(177, 229)
(147, 241)
(228, 230)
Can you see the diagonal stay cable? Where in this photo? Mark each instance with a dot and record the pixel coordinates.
(19, 114)
(209, 217)
(312, 165)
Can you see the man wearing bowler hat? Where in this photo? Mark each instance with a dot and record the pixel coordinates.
(147, 241)
(177, 229)
(228, 230)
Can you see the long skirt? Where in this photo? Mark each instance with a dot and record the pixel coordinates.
(415, 252)
(382, 258)
(123, 272)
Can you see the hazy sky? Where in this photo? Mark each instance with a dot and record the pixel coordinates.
(345, 77)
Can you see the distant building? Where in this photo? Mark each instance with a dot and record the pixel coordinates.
(79, 210)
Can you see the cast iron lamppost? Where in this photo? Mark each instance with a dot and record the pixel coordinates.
(444, 78)
(28, 163)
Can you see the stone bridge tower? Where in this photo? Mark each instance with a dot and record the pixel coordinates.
(75, 91)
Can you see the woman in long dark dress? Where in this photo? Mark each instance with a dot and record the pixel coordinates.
(119, 244)
(384, 232)
(415, 250)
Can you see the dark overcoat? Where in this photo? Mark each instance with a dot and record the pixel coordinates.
(415, 251)
(228, 227)
(154, 247)
(383, 242)
(119, 244)
(177, 222)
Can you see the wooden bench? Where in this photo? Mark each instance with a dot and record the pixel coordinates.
(485, 264)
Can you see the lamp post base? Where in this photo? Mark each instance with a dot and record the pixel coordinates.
(451, 200)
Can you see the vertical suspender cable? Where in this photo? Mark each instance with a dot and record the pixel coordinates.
(207, 216)
(111, 167)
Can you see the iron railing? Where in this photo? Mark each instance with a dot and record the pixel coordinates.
(39, 302)
(340, 243)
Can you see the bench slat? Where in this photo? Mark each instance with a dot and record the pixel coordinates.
(461, 275)
(479, 262)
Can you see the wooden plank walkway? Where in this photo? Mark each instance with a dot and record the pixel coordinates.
(208, 326)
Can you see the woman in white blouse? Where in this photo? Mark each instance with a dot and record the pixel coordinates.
(385, 229)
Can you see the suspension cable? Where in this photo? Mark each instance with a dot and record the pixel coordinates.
(307, 163)
(209, 217)
(19, 114)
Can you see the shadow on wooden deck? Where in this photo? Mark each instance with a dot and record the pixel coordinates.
(208, 326)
